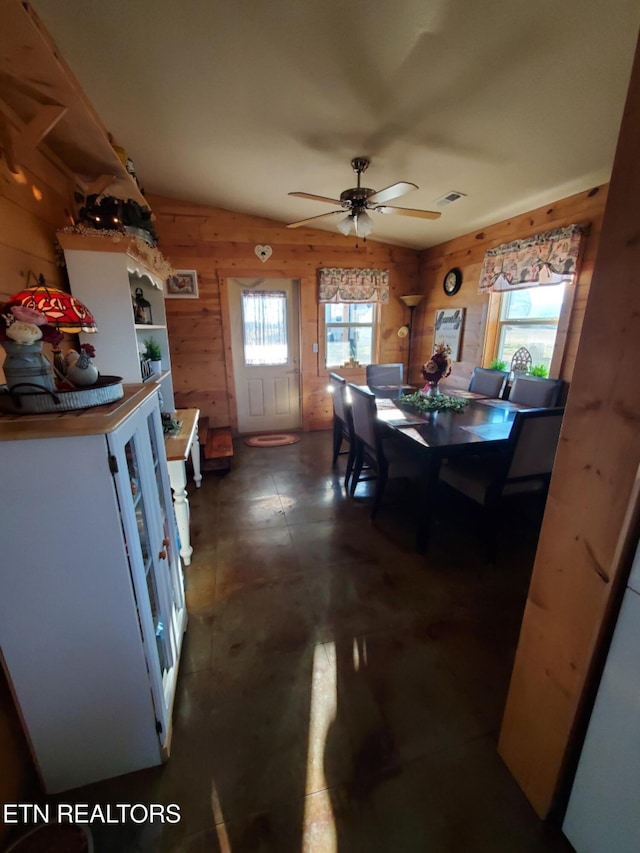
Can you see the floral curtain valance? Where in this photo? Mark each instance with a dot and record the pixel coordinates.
(548, 258)
(354, 285)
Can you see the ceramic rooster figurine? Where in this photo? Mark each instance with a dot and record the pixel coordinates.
(81, 371)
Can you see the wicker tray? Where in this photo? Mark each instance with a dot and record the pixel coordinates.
(106, 390)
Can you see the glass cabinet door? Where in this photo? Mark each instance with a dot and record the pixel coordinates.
(172, 568)
(148, 525)
(143, 527)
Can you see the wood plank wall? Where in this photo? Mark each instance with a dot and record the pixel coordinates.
(467, 253)
(220, 244)
(33, 204)
(580, 566)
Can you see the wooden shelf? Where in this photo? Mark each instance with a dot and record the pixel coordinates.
(44, 105)
(141, 258)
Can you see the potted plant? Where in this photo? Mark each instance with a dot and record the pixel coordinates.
(153, 352)
(539, 370)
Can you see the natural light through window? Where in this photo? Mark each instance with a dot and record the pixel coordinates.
(529, 318)
(324, 702)
(349, 330)
(264, 327)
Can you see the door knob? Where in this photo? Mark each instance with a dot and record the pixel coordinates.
(162, 555)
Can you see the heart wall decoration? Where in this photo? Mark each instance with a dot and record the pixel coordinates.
(263, 252)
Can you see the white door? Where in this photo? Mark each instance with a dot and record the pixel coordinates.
(266, 353)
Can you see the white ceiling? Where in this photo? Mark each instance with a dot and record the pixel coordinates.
(235, 103)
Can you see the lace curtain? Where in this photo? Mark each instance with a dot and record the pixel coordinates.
(548, 258)
(264, 327)
(338, 285)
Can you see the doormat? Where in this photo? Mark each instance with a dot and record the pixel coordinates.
(277, 440)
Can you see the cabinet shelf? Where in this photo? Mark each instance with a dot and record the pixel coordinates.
(105, 274)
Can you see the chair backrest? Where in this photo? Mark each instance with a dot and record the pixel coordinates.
(338, 387)
(534, 438)
(384, 374)
(535, 392)
(486, 381)
(364, 414)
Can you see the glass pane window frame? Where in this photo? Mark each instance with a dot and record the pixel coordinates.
(525, 322)
(351, 324)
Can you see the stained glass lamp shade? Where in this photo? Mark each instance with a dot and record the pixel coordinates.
(61, 309)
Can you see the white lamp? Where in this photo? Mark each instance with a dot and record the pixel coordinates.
(362, 224)
(345, 225)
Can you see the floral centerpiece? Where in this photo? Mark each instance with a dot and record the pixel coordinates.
(420, 402)
(438, 367)
(22, 333)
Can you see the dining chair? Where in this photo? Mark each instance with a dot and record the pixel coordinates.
(384, 374)
(487, 381)
(535, 392)
(342, 424)
(524, 466)
(386, 457)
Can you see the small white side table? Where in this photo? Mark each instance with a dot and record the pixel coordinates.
(178, 448)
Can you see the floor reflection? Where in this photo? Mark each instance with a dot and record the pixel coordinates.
(337, 692)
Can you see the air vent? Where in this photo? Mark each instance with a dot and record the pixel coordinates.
(449, 198)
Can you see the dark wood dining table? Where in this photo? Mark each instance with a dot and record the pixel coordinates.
(483, 426)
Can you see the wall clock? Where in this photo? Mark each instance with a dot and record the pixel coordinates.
(452, 281)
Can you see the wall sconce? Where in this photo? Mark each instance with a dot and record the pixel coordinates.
(411, 300)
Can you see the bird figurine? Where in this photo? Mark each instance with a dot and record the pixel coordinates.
(81, 371)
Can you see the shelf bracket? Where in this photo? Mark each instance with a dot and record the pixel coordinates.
(41, 124)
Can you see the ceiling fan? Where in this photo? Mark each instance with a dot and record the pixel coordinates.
(358, 200)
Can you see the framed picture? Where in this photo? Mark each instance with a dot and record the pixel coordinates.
(447, 328)
(183, 285)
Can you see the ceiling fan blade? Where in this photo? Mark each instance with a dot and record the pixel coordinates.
(316, 197)
(395, 190)
(408, 211)
(313, 219)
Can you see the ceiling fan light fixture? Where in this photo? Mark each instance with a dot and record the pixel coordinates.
(344, 225)
(364, 224)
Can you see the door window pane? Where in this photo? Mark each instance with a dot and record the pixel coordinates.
(264, 327)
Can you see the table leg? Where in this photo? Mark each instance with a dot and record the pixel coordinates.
(178, 480)
(195, 459)
(429, 474)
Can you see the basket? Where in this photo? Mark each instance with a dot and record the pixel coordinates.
(107, 389)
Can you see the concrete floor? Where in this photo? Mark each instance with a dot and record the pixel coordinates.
(337, 691)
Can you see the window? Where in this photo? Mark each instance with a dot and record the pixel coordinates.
(349, 332)
(264, 327)
(529, 318)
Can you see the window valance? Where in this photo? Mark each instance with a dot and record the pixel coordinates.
(338, 285)
(548, 258)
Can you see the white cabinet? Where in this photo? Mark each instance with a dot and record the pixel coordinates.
(105, 274)
(92, 610)
(603, 813)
